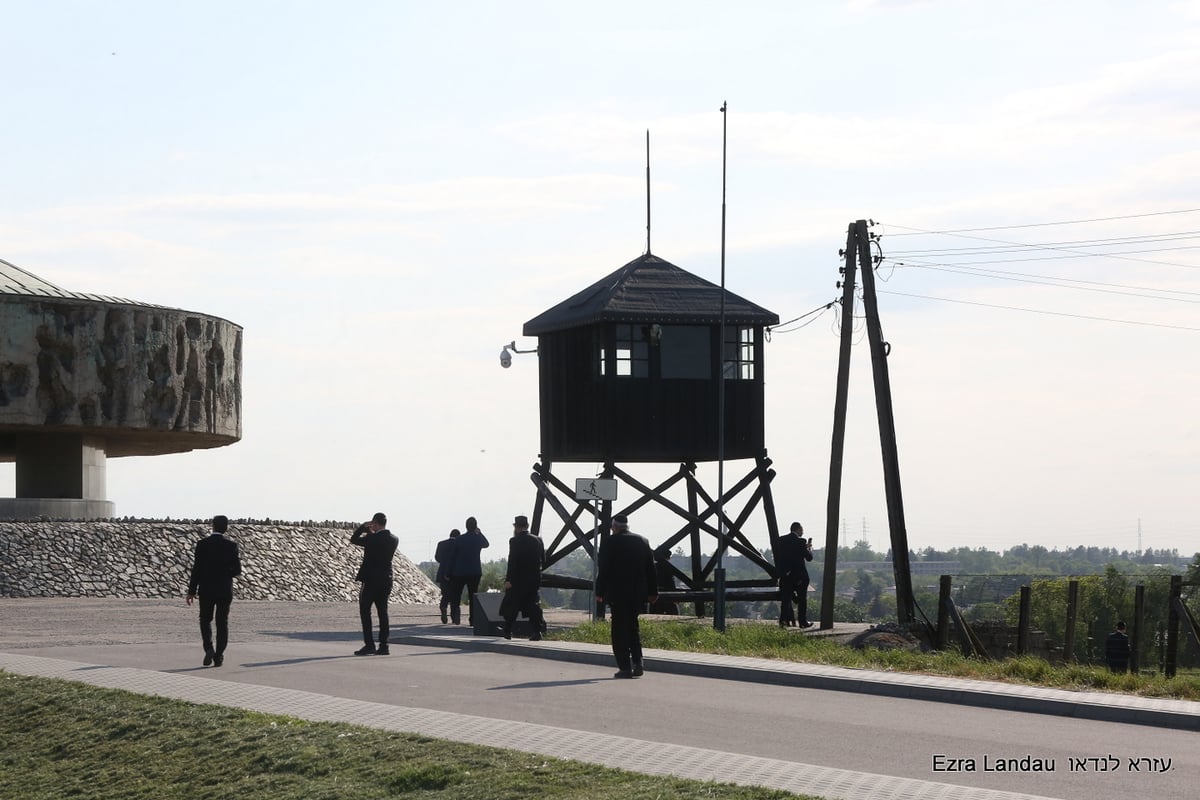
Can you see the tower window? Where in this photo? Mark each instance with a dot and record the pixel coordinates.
(739, 353)
(633, 351)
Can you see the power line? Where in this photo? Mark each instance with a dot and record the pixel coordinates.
(1040, 311)
(1043, 280)
(776, 328)
(919, 231)
(1000, 249)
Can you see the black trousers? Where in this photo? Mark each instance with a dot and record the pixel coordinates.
(790, 588)
(444, 601)
(626, 635)
(218, 607)
(517, 601)
(457, 584)
(374, 593)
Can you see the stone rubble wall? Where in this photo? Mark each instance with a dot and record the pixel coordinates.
(154, 559)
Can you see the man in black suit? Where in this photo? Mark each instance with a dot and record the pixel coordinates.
(214, 567)
(375, 573)
(626, 581)
(467, 570)
(792, 552)
(523, 579)
(1116, 649)
(444, 556)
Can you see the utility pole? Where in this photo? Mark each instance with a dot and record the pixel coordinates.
(905, 602)
(833, 503)
(858, 248)
(719, 572)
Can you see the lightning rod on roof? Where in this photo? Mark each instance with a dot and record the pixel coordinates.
(647, 191)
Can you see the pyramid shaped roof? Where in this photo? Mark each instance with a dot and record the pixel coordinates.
(649, 289)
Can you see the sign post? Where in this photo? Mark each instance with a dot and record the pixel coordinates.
(592, 491)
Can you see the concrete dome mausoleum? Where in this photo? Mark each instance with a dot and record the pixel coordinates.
(85, 377)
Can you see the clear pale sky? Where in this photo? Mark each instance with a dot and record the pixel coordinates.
(382, 193)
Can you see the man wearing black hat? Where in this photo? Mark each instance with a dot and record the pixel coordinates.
(626, 581)
(522, 580)
(375, 573)
(215, 566)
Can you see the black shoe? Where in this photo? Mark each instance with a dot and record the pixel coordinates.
(623, 673)
(382, 650)
(507, 632)
(365, 650)
(638, 671)
(537, 637)
(218, 659)
(208, 659)
(445, 619)
(807, 624)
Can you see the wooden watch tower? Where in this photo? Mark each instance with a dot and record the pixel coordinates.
(628, 373)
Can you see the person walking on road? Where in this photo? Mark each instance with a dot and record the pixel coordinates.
(467, 570)
(792, 553)
(214, 567)
(444, 556)
(375, 573)
(626, 580)
(523, 579)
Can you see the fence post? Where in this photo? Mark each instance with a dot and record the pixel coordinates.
(1072, 615)
(943, 618)
(1135, 637)
(1023, 623)
(1172, 656)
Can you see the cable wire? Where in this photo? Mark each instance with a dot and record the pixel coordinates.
(1043, 280)
(1040, 311)
(919, 231)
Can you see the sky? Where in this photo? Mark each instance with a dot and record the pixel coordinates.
(382, 194)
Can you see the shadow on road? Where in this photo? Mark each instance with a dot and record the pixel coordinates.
(547, 684)
(316, 636)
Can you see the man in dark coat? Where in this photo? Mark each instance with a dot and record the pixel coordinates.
(1116, 649)
(375, 573)
(666, 582)
(215, 566)
(790, 557)
(444, 556)
(467, 570)
(522, 580)
(626, 581)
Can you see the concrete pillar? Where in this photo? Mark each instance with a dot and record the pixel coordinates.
(68, 465)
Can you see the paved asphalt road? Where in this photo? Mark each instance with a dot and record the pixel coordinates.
(307, 646)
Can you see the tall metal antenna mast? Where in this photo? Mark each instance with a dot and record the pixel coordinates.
(647, 191)
(719, 572)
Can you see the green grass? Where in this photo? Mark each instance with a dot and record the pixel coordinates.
(66, 740)
(771, 641)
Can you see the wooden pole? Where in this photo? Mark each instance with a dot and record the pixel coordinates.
(1072, 616)
(943, 618)
(1172, 656)
(1023, 622)
(905, 602)
(833, 503)
(1135, 636)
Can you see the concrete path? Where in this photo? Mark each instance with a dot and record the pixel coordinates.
(88, 640)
